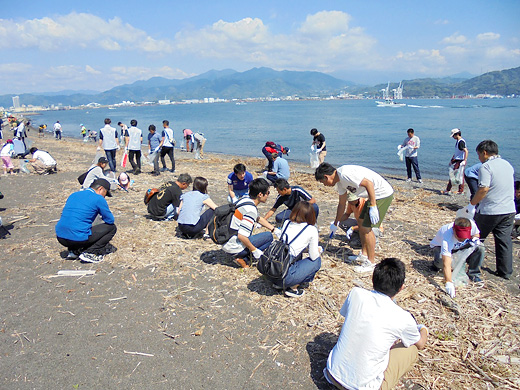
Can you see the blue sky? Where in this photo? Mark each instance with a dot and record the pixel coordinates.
(96, 45)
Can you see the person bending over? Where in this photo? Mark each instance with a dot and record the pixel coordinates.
(165, 205)
(238, 183)
(366, 355)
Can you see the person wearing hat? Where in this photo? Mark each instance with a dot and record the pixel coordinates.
(458, 160)
(451, 237)
(124, 181)
(96, 171)
(75, 231)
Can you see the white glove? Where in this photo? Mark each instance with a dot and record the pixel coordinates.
(156, 149)
(257, 225)
(264, 174)
(257, 253)
(118, 147)
(463, 163)
(349, 233)
(235, 199)
(277, 232)
(98, 148)
(470, 210)
(450, 289)
(320, 249)
(126, 150)
(333, 229)
(373, 212)
(475, 241)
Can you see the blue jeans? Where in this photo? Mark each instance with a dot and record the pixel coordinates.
(472, 184)
(302, 271)
(260, 241)
(412, 162)
(192, 230)
(111, 157)
(284, 215)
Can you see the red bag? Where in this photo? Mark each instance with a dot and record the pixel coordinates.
(124, 160)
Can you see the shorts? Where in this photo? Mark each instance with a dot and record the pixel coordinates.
(382, 205)
(8, 164)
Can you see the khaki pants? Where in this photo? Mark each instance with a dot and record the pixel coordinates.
(322, 155)
(41, 168)
(401, 361)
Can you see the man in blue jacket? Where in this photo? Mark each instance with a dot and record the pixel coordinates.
(74, 229)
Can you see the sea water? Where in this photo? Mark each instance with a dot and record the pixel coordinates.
(356, 131)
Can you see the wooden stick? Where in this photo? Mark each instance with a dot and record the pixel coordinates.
(138, 353)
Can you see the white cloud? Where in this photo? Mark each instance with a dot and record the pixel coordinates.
(326, 23)
(14, 68)
(91, 70)
(489, 36)
(77, 30)
(455, 39)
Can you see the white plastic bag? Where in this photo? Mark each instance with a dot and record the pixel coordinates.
(151, 158)
(455, 174)
(458, 263)
(400, 152)
(98, 155)
(314, 157)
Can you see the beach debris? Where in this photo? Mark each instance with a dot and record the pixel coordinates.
(74, 272)
(138, 353)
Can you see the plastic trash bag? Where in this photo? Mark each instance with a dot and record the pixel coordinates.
(23, 167)
(98, 155)
(151, 158)
(314, 157)
(400, 152)
(455, 174)
(458, 262)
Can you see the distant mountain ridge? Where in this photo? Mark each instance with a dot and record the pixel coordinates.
(266, 82)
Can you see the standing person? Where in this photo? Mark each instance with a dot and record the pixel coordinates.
(412, 143)
(496, 204)
(6, 153)
(123, 129)
(364, 183)
(74, 230)
(238, 183)
(270, 148)
(200, 141)
(83, 132)
(167, 144)
(21, 134)
(448, 239)
(458, 160)
(191, 223)
(471, 176)
(517, 208)
(133, 141)
(300, 232)
(290, 196)
(166, 203)
(188, 134)
(109, 141)
(244, 243)
(42, 162)
(280, 169)
(319, 143)
(366, 355)
(57, 130)
(154, 143)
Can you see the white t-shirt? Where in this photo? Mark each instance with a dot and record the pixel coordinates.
(135, 134)
(57, 126)
(308, 238)
(7, 150)
(167, 133)
(350, 177)
(44, 157)
(445, 238)
(373, 322)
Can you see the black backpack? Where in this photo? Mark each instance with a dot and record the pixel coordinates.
(219, 226)
(276, 259)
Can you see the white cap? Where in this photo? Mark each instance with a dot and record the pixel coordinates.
(454, 131)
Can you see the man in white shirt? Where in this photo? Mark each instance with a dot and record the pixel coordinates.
(57, 130)
(42, 162)
(134, 139)
(452, 237)
(109, 141)
(166, 146)
(366, 356)
(364, 183)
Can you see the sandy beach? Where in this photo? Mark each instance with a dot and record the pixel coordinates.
(161, 312)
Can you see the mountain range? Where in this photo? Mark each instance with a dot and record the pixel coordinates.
(266, 82)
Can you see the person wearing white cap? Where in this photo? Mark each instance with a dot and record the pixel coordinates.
(458, 160)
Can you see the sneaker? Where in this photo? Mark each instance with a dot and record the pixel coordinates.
(366, 266)
(206, 237)
(72, 255)
(445, 192)
(294, 293)
(475, 279)
(277, 287)
(356, 259)
(163, 169)
(459, 193)
(419, 181)
(408, 180)
(91, 258)
(241, 263)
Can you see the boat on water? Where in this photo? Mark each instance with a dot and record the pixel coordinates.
(389, 101)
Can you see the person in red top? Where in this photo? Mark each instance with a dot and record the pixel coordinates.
(270, 148)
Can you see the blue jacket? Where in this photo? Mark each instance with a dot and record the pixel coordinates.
(80, 211)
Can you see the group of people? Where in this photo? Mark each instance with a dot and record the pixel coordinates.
(373, 321)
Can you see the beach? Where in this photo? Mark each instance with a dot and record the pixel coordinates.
(161, 312)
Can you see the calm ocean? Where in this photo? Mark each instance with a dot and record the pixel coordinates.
(356, 131)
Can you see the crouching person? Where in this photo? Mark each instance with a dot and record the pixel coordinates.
(191, 222)
(300, 233)
(244, 243)
(42, 162)
(450, 238)
(365, 356)
(165, 205)
(74, 230)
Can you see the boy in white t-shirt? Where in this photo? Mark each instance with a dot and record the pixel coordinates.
(366, 355)
(452, 237)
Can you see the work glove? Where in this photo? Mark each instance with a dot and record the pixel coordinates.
(373, 212)
(98, 148)
(277, 232)
(118, 147)
(234, 199)
(349, 233)
(320, 249)
(470, 210)
(450, 289)
(257, 253)
(333, 229)
(156, 149)
(475, 241)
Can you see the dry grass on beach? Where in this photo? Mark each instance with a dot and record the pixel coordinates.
(474, 339)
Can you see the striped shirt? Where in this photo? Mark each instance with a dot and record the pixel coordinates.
(243, 221)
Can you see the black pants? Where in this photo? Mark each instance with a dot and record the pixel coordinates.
(167, 151)
(137, 155)
(192, 230)
(97, 241)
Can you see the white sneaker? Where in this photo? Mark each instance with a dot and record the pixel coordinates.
(356, 259)
(408, 180)
(90, 258)
(366, 266)
(420, 180)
